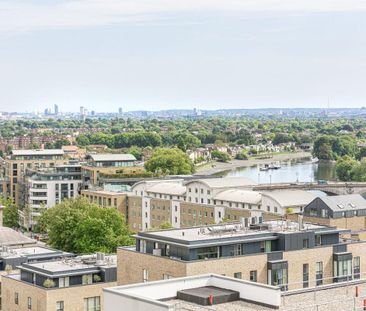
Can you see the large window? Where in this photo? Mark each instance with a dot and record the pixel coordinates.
(92, 304)
(63, 282)
(207, 252)
(87, 279)
(266, 246)
(356, 268)
(145, 275)
(342, 269)
(319, 273)
(305, 275)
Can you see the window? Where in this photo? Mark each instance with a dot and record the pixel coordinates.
(201, 191)
(92, 304)
(60, 306)
(237, 250)
(87, 279)
(356, 267)
(29, 303)
(145, 275)
(266, 246)
(16, 298)
(167, 277)
(253, 276)
(275, 209)
(319, 273)
(318, 240)
(63, 282)
(305, 243)
(237, 275)
(305, 275)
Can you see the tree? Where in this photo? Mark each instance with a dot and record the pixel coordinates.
(345, 168)
(242, 155)
(171, 161)
(165, 225)
(10, 213)
(220, 156)
(82, 140)
(78, 226)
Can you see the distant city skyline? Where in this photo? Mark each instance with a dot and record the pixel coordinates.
(204, 54)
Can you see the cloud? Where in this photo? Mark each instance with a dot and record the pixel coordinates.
(26, 15)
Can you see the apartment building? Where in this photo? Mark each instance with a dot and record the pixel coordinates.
(107, 164)
(70, 284)
(280, 253)
(203, 191)
(45, 187)
(16, 249)
(19, 161)
(343, 211)
(105, 198)
(151, 203)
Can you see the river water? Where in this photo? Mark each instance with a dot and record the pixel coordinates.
(290, 171)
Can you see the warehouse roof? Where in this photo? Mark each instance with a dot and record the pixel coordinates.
(238, 195)
(112, 157)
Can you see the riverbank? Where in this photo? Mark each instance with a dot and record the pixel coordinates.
(215, 167)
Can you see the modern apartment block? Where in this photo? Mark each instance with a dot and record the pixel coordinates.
(20, 160)
(281, 253)
(343, 211)
(46, 187)
(107, 164)
(70, 284)
(16, 249)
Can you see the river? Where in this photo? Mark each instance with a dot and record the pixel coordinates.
(290, 171)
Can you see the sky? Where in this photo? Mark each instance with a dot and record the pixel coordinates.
(179, 54)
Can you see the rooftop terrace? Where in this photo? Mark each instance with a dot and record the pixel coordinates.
(231, 230)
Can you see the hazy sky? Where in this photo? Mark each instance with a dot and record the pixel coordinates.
(159, 54)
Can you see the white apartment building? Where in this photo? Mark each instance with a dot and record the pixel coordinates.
(47, 187)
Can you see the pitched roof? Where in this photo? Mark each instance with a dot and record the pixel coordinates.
(238, 195)
(167, 188)
(345, 202)
(225, 182)
(291, 197)
(112, 157)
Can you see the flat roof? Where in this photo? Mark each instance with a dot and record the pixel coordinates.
(33, 251)
(112, 157)
(9, 236)
(102, 192)
(37, 152)
(70, 265)
(228, 231)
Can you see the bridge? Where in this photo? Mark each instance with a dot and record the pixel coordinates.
(330, 188)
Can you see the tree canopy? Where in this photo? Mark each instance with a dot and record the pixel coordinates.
(169, 161)
(10, 213)
(78, 226)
